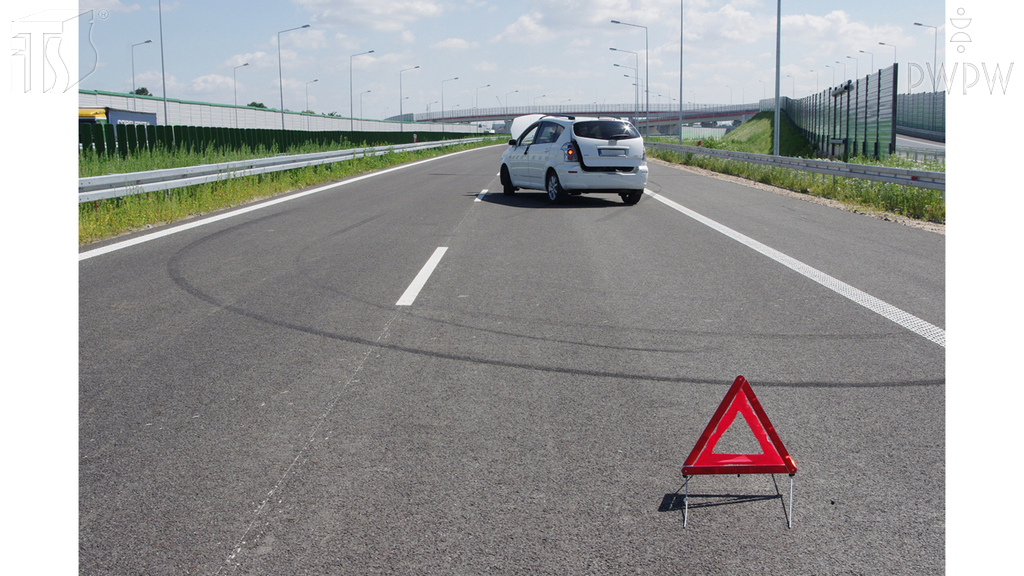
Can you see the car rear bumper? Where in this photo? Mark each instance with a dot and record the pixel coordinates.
(573, 177)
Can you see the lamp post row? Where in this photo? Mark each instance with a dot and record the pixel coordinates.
(646, 85)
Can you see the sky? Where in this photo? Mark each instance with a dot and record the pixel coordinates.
(487, 53)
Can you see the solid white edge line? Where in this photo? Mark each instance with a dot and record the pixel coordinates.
(410, 294)
(162, 233)
(905, 319)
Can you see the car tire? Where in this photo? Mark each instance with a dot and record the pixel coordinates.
(631, 198)
(554, 188)
(506, 182)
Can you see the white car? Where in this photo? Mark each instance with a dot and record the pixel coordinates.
(570, 155)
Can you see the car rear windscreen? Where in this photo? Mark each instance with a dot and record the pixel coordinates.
(605, 130)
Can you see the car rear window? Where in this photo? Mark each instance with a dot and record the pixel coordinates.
(605, 130)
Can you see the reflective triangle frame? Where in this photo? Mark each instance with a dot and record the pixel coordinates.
(775, 459)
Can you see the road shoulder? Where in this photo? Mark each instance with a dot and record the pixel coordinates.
(881, 215)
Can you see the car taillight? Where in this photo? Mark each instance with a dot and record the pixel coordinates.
(569, 151)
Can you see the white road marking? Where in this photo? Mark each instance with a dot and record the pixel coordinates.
(480, 196)
(907, 320)
(421, 279)
(195, 224)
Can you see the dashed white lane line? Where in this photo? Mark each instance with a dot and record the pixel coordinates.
(905, 319)
(480, 196)
(410, 294)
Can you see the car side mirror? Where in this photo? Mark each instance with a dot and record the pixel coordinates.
(511, 142)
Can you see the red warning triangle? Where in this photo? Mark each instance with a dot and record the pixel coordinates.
(740, 399)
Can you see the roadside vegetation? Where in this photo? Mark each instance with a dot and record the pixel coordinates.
(756, 136)
(104, 219)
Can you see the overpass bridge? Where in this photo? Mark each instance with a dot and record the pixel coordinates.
(664, 118)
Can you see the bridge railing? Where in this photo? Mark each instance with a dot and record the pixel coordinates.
(660, 111)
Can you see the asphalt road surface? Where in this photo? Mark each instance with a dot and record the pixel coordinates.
(254, 400)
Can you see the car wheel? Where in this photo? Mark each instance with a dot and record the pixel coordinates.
(506, 182)
(631, 198)
(555, 192)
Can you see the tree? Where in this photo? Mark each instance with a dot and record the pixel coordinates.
(142, 92)
(255, 105)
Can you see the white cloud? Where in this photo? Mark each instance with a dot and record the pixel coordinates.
(346, 42)
(741, 26)
(546, 72)
(571, 14)
(835, 34)
(209, 83)
(309, 39)
(154, 82)
(526, 30)
(380, 15)
(454, 44)
(255, 60)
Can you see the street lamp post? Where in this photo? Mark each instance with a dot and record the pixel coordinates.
(647, 72)
(307, 101)
(934, 52)
(636, 97)
(401, 100)
(935, 73)
(636, 88)
(506, 99)
(844, 69)
(893, 51)
(872, 58)
(636, 78)
(894, 61)
(234, 88)
(361, 108)
(442, 100)
(476, 104)
(134, 107)
(680, 71)
(856, 66)
(815, 81)
(163, 71)
(776, 136)
(280, 74)
(351, 110)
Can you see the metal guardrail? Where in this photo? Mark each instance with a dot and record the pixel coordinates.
(918, 154)
(119, 185)
(904, 176)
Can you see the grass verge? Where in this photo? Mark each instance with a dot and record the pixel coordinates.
(756, 136)
(105, 219)
(912, 202)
